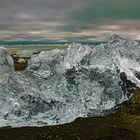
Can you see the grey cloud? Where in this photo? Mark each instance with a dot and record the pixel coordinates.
(38, 9)
(68, 19)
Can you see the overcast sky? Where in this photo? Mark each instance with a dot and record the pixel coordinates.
(69, 20)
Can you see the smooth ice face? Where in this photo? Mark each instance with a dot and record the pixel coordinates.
(60, 85)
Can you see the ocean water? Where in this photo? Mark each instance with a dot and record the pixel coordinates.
(41, 45)
(42, 42)
(28, 48)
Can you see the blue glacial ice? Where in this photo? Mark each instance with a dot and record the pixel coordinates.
(59, 86)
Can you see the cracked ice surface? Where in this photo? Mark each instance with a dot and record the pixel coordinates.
(60, 85)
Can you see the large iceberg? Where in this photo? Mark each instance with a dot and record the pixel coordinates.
(59, 86)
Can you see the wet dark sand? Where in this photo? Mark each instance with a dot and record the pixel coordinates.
(123, 125)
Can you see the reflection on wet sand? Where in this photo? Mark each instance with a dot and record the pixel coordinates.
(123, 125)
